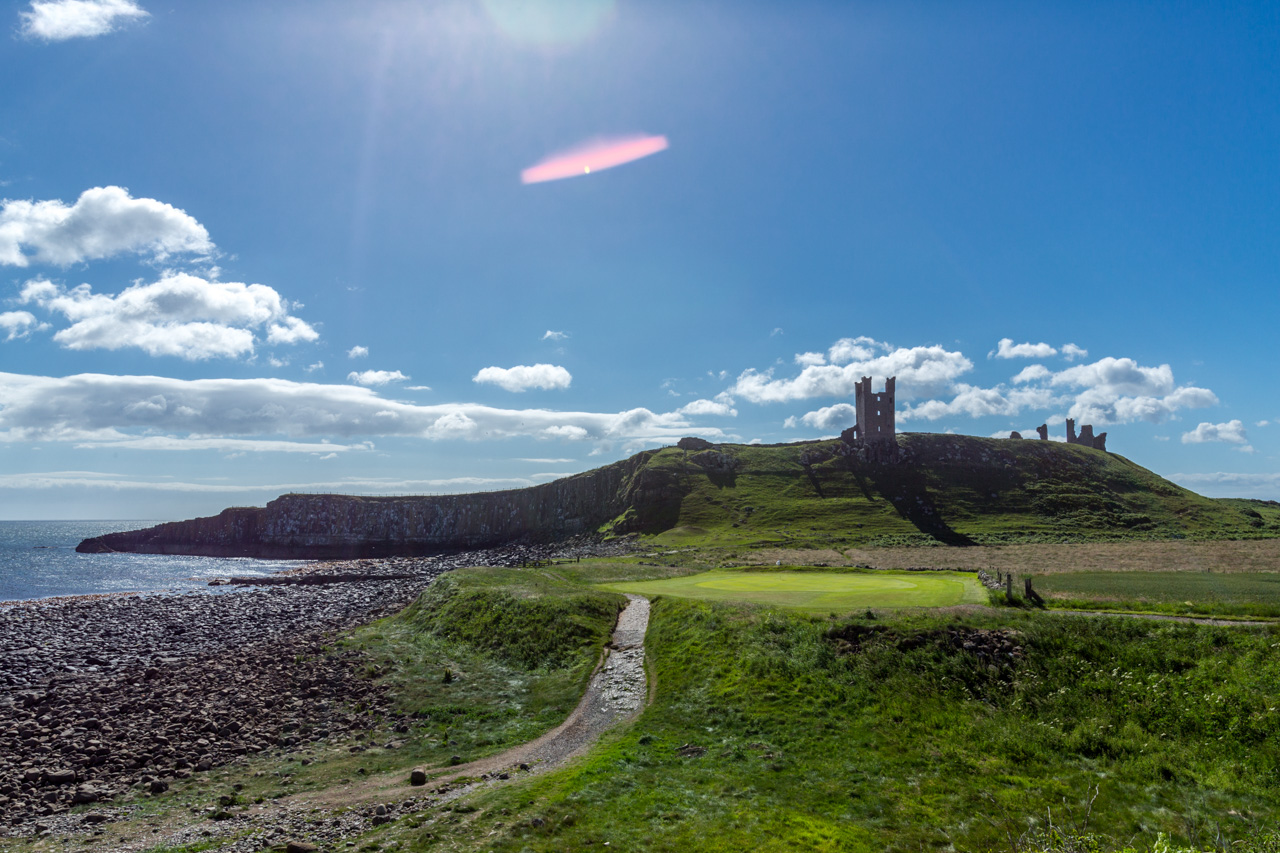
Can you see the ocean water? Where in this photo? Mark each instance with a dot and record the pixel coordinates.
(38, 559)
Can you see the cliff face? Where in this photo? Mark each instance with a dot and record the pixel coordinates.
(299, 526)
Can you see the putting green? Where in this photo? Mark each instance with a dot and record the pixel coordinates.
(821, 592)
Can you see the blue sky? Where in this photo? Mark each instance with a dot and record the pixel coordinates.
(253, 248)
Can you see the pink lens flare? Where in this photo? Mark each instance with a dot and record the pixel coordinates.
(594, 156)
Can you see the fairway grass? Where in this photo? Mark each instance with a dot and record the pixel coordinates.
(819, 592)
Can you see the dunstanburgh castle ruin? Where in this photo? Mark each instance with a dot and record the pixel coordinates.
(875, 429)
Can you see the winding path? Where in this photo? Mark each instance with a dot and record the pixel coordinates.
(616, 693)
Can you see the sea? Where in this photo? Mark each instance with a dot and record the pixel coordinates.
(38, 559)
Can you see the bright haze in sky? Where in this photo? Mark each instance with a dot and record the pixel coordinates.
(250, 248)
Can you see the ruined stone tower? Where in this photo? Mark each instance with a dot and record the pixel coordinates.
(874, 412)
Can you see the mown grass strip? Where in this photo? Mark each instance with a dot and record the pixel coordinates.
(820, 591)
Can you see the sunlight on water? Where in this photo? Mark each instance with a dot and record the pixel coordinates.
(38, 560)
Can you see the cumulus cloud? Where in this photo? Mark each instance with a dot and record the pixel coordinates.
(721, 406)
(522, 377)
(1033, 373)
(809, 359)
(1006, 348)
(59, 20)
(1071, 352)
(291, 330)
(358, 352)
(104, 221)
(555, 336)
(19, 324)
(1119, 390)
(181, 315)
(376, 377)
(978, 402)
(921, 371)
(1232, 432)
(827, 419)
(96, 407)
(1107, 391)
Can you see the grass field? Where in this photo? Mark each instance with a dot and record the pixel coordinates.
(1198, 593)
(819, 592)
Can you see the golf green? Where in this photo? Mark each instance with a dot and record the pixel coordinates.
(821, 592)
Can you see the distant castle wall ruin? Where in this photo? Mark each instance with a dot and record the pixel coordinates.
(1086, 436)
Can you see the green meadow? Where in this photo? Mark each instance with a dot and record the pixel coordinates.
(818, 591)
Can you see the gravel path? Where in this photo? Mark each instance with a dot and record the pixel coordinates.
(616, 693)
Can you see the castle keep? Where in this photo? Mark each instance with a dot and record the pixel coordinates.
(874, 411)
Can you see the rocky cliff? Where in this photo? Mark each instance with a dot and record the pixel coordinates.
(300, 526)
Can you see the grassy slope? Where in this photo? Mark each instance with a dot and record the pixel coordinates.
(911, 742)
(949, 489)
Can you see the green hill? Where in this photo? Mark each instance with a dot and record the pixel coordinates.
(948, 489)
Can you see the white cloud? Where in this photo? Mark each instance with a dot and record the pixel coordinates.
(846, 350)
(346, 485)
(58, 20)
(1119, 390)
(181, 315)
(104, 221)
(721, 406)
(1071, 352)
(96, 407)
(1231, 432)
(1033, 373)
(1263, 423)
(829, 418)
(544, 461)
(229, 445)
(921, 371)
(417, 388)
(19, 324)
(982, 402)
(358, 352)
(809, 359)
(776, 331)
(555, 336)
(312, 368)
(1006, 348)
(376, 377)
(290, 330)
(522, 377)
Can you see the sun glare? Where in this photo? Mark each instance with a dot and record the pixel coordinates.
(596, 155)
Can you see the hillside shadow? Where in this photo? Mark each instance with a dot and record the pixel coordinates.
(906, 489)
(813, 479)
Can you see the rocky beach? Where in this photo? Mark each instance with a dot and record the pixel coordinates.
(101, 694)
